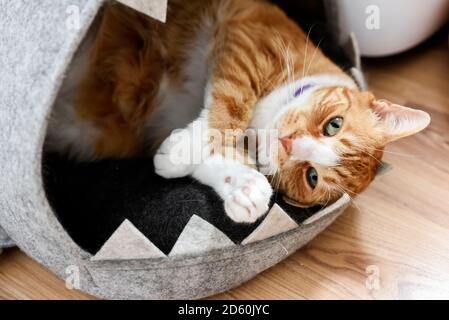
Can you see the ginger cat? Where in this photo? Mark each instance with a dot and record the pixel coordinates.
(223, 66)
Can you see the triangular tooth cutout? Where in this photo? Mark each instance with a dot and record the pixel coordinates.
(154, 8)
(199, 236)
(128, 243)
(276, 222)
(341, 203)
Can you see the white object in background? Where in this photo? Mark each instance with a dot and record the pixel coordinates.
(386, 27)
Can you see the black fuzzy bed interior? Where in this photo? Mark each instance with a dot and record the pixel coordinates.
(91, 200)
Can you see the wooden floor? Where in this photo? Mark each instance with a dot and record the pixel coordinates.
(394, 242)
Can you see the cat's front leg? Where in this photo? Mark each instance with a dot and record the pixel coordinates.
(172, 160)
(183, 150)
(236, 83)
(245, 191)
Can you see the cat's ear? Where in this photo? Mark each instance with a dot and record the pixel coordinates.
(398, 121)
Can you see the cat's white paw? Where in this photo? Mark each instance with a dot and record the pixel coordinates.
(172, 160)
(249, 196)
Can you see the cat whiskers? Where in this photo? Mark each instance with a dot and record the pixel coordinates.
(305, 72)
(276, 183)
(393, 152)
(313, 57)
(353, 200)
(348, 192)
(288, 70)
(305, 53)
(368, 154)
(328, 193)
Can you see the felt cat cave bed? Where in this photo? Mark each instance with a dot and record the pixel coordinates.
(129, 233)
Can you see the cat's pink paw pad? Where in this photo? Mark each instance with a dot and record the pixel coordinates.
(249, 198)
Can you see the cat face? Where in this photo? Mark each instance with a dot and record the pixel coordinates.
(333, 143)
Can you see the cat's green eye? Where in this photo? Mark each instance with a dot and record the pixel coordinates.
(333, 126)
(312, 177)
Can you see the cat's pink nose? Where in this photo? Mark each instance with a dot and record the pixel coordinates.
(287, 144)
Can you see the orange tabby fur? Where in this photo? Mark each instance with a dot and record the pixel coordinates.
(132, 51)
(251, 41)
(358, 165)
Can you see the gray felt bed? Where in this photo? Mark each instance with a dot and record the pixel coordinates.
(37, 48)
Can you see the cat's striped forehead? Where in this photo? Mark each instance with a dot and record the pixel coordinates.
(334, 96)
(309, 116)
